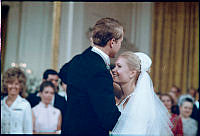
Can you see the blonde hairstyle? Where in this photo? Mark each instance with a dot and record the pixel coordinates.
(105, 29)
(10, 76)
(133, 60)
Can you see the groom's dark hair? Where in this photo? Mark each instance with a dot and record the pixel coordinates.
(105, 29)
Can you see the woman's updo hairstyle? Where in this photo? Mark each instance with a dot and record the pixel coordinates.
(133, 60)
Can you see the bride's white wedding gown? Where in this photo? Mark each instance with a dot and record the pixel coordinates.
(144, 113)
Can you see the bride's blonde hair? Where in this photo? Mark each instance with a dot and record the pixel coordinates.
(133, 60)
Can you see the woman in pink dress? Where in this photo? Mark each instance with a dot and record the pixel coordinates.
(46, 118)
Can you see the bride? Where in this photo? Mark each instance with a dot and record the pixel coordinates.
(142, 113)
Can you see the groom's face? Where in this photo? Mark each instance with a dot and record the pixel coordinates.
(116, 46)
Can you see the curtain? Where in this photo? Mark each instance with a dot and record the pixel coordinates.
(175, 45)
(4, 20)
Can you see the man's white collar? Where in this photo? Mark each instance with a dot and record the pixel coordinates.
(102, 54)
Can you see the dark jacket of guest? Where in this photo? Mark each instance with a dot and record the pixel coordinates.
(60, 103)
(33, 99)
(91, 108)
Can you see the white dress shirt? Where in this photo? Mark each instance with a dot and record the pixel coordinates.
(197, 104)
(104, 56)
(63, 94)
(16, 119)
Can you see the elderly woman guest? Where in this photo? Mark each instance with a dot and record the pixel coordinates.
(190, 125)
(46, 118)
(175, 119)
(16, 117)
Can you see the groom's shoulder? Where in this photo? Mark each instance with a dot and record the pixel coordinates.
(82, 56)
(86, 60)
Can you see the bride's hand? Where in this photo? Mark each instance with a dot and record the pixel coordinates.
(117, 90)
(111, 73)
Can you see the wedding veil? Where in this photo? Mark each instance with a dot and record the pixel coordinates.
(144, 114)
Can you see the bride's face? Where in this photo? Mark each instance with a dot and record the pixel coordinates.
(121, 72)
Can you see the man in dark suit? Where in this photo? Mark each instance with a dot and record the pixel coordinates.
(58, 101)
(91, 108)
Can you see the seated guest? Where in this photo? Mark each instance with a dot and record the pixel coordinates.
(57, 100)
(175, 93)
(193, 92)
(46, 118)
(16, 116)
(175, 119)
(190, 125)
(176, 90)
(195, 111)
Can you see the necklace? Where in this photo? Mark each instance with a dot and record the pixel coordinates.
(125, 100)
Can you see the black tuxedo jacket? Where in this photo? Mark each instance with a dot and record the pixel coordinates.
(91, 108)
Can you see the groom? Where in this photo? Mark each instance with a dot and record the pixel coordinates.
(91, 108)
